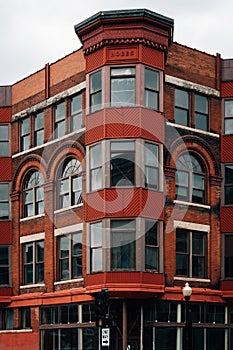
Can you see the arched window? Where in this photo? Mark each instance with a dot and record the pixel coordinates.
(33, 194)
(70, 183)
(190, 179)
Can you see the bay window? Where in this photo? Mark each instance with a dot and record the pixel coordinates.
(122, 163)
(122, 86)
(151, 96)
(96, 247)
(96, 91)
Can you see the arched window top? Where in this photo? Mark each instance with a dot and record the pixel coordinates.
(71, 167)
(35, 178)
(189, 162)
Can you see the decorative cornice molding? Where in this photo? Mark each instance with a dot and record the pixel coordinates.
(124, 41)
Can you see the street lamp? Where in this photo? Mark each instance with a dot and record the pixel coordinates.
(187, 292)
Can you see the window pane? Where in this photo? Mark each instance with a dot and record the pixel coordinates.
(4, 192)
(182, 265)
(228, 174)
(96, 261)
(151, 79)
(4, 211)
(181, 98)
(28, 274)
(201, 104)
(77, 244)
(76, 104)
(4, 275)
(39, 251)
(4, 133)
(151, 177)
(198, 264)
(181, 116)
(201, 121)
(64, 269)
(39, 121)
(151, 258)
(39, 137)
(228, 108)
(96, 235)
(151, 154)
(28, 253)
(95, 156)
(181, 241)
(122, 164)
(4, 259)
(96, 179)
(64, 247)
(60, 111)
(39, 273)
(123, 250)
(198, 243)
(77, 266)
(25, 127)
(228, 129)
(95, 81)
(229, 256)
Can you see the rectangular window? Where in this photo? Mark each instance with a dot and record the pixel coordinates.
(190, 253)
(70, 256)
(228, 117)
(96, 167)
(25, 134)
(6, 319)
(151, 245)
(151, 98)
(4, 201)
(96, 247)
(228, 186)
(151, 165)
(5, 265)
(25, 317)
(96, 91)
(122, 163)
(181, 107)
(201, 112)
(60, 120)
(76, 113)
(33, 262)
(39, 129)
(122, 86)
(123, 240)
(4, 141)
(228, 257)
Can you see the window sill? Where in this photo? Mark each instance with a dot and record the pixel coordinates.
(202, 206)
(26, 286)
(191, 279)
(28, 330)
(57, 211)
(32, 217)
(188, 128)
(69, 281)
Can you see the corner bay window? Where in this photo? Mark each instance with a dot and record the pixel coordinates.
(132, 163)
(191, 256)
(33, 194)
(4, 201)
(151, 245)
(96, 247)
(70, 183)
(96, 91)
(33, 262)
(190, 179)
(228, 256)
(70, 256)
(151, 97)
(5, 259)
(228, 117)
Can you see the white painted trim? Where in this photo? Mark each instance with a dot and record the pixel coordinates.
(68, 229)
(50, 101)
(31, 217)
(203, 132)
(16, 331)
(69, 281)
(32, 238)
(26, 286)
(191, 86)
(191, 226)
(57, 211)
(203, 206)
(190, 279)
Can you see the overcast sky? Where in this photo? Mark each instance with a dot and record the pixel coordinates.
(36, 32)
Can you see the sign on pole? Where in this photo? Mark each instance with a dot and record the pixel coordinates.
(105, 337)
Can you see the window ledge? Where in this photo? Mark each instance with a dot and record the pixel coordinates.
(26, 286)
(31, 217)
(191, 279)
(16, 331)
(68, 208)
(68, 281)
(193, 129)
(203, 206)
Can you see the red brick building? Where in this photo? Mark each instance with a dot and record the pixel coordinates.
(113, 162)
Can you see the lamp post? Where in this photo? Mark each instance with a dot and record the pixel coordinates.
(187, 292)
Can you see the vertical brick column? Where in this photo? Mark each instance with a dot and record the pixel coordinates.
(49, 249)
(16, 260)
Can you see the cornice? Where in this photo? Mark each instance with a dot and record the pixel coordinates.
(124, 41)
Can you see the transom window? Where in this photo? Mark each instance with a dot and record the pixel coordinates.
(4, 141)
(70, 183)
(70, 256)
(33, 262)
(122, 163)
(123, 240)
(190, 179)
(4, 201)
(5, 265)
(228, 185)
(187, 102)
(33, 194)
(122, 86)
(228, 256)
(96, 91)
(228, 117)
(191, 256)
(151, 97)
